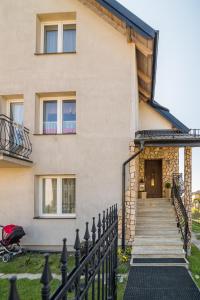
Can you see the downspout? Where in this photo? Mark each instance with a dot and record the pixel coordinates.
(123, 192)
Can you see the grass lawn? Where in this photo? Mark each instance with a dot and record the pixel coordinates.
(28, 289)
(194, 265)
(195, 227)
(33, 263)
(31, 289)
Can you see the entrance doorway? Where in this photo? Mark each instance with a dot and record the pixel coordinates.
(153, 178)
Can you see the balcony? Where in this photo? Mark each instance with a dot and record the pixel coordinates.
(169, 137)
(15, 145)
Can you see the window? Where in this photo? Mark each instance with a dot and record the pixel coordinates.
(58, 37)
(50, 38)
(58, 116)
(57, 196)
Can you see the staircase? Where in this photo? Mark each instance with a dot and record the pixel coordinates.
(157, 240)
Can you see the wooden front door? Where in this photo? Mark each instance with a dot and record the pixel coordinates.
(153, 178)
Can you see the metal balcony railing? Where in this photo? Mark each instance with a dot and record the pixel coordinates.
(192, 133)
(14, 139)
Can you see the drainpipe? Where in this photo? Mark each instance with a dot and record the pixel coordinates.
(123, 192)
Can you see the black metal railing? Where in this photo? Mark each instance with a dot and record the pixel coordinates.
(181, 213)
(14, 139)
(94, 273)
(194, 133)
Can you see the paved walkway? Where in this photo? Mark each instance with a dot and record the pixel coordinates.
(26, 276)
(161, 283)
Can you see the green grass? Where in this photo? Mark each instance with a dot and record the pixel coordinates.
(28, 289)
(194, 265)
(33, 263)
(195, 227)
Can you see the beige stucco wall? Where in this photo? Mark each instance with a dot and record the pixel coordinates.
(102, 73)
(151, 119)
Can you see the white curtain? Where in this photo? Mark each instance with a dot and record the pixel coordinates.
(17, 112)
(69, 40)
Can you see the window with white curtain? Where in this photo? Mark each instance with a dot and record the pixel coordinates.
(58, 115)
(58, 37)
(57, 196)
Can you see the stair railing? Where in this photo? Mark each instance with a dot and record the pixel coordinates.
(181, 213)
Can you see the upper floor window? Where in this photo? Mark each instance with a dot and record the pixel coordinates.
(58, 115)
(58, 37)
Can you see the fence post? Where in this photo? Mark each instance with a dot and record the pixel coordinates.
(99, 258)
(13, 295)
(86, 238)
(46, 279)
(93, 244)
(63, 261)
(103, 252)
(116, 251)
(77, 247)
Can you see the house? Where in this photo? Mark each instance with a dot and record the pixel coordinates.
(77, 88)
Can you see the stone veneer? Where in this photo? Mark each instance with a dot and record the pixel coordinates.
(170, 162)
(188, 187)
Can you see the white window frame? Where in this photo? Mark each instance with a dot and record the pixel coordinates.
(59, 111)
(60, 25)
(59, 213)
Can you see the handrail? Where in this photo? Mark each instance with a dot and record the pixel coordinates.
(14, 139)
(181, 213)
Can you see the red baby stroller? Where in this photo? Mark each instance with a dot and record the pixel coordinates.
(10, 243)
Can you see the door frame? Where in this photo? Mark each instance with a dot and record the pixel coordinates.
(156, 159)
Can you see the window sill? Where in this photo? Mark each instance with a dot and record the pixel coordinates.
(54, 53)
(43, 134)
(55, 218)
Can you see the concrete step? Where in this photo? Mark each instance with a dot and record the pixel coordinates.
(161, 242)
(147, 252)
(156, 248)
(156, 225)
(158, 237)
(153, 210)
(159, 220)
(159, 255)
(153, 232)
(156, 262)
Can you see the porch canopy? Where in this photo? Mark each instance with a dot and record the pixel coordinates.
(168, 137)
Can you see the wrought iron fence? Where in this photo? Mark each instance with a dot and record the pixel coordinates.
(181, 213)
(14, 139)
(94, 273)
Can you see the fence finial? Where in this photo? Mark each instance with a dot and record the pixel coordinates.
(46, 279)
(107, 219)
(77, 246)
(99, 227)
(63, 261)
(93, 231)
(13, 295)
(104, 221)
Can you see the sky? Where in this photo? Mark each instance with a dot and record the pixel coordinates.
(178, 68)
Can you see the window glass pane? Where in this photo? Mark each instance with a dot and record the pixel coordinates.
(50, 117)
(69, 117)
(68, 195)
(69, 38)
(50, 38)
(17, 112)
(49, 203)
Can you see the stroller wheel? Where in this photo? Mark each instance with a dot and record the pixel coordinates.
(6, 258)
